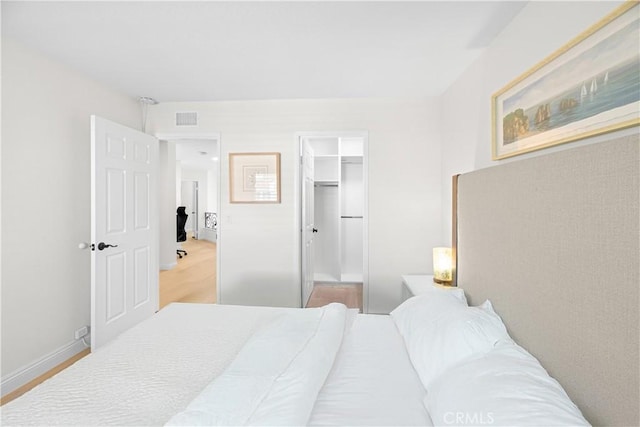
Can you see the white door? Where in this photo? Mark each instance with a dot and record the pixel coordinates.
(186, 196)
(307, 220)
(124, 229)
(189, 199)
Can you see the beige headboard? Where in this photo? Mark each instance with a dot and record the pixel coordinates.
(553, 242)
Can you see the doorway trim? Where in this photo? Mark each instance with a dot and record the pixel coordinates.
(172, 136)
(298, 203)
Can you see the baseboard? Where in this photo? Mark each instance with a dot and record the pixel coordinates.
(169, 266)
(28, 373)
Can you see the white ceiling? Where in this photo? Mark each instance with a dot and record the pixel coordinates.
(208, 51)
(197, 153)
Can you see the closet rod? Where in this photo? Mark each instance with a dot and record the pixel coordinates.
(346, 216)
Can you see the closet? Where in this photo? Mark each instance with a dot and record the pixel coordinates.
(338, 209)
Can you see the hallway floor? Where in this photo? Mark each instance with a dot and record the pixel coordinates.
(194, 278)
(349, 294)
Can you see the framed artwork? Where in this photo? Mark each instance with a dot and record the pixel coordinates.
(588, 87)
(254, 177)
(210, 220)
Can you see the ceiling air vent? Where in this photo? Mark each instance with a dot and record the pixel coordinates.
(187, 118)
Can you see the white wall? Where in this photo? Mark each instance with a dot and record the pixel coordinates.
(178, 183)
(167, 200)
(202, 177)
(260, 243)
(46, 200)
(536, 32)
(212, 189)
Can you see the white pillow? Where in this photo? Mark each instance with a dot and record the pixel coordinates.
(439, 335)
(412, 315)
(504, 387)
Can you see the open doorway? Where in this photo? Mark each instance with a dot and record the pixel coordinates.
(333, 209)
(192, 181)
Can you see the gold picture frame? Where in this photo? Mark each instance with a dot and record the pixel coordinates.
(588, 87)
(254, 177)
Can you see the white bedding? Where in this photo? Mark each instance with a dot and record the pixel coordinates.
(155, 370)
(372, 381)
(276, 377)
(148, 373)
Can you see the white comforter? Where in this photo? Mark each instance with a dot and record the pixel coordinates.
(228, 365)
(147, 374)
(276, 377)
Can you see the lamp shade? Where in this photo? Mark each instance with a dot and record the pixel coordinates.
(442, 265)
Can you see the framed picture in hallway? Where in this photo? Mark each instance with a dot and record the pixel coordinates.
(588, 87)
(254, 177)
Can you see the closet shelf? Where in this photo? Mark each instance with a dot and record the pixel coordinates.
(325, 183)
(356, 160)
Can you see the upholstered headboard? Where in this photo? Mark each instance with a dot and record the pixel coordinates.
(554, 242)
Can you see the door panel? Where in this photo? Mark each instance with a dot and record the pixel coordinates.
(141, 200)
(141, 276)
(115, 147)
(142, 152)
(115, 204)
(308, 223)
(124, 282)
(116, 286)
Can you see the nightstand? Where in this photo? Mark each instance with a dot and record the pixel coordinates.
(415, 284)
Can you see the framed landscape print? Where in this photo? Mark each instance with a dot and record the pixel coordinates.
(588, 87)
(254, 177)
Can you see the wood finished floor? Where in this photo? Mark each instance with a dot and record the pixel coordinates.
(194, 278)
(325, 293)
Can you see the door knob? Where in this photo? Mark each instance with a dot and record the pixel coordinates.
(315, 230)
(103, 245)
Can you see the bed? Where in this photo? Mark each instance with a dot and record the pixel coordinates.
(441, 358)
(155, 370)
(196, 364)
